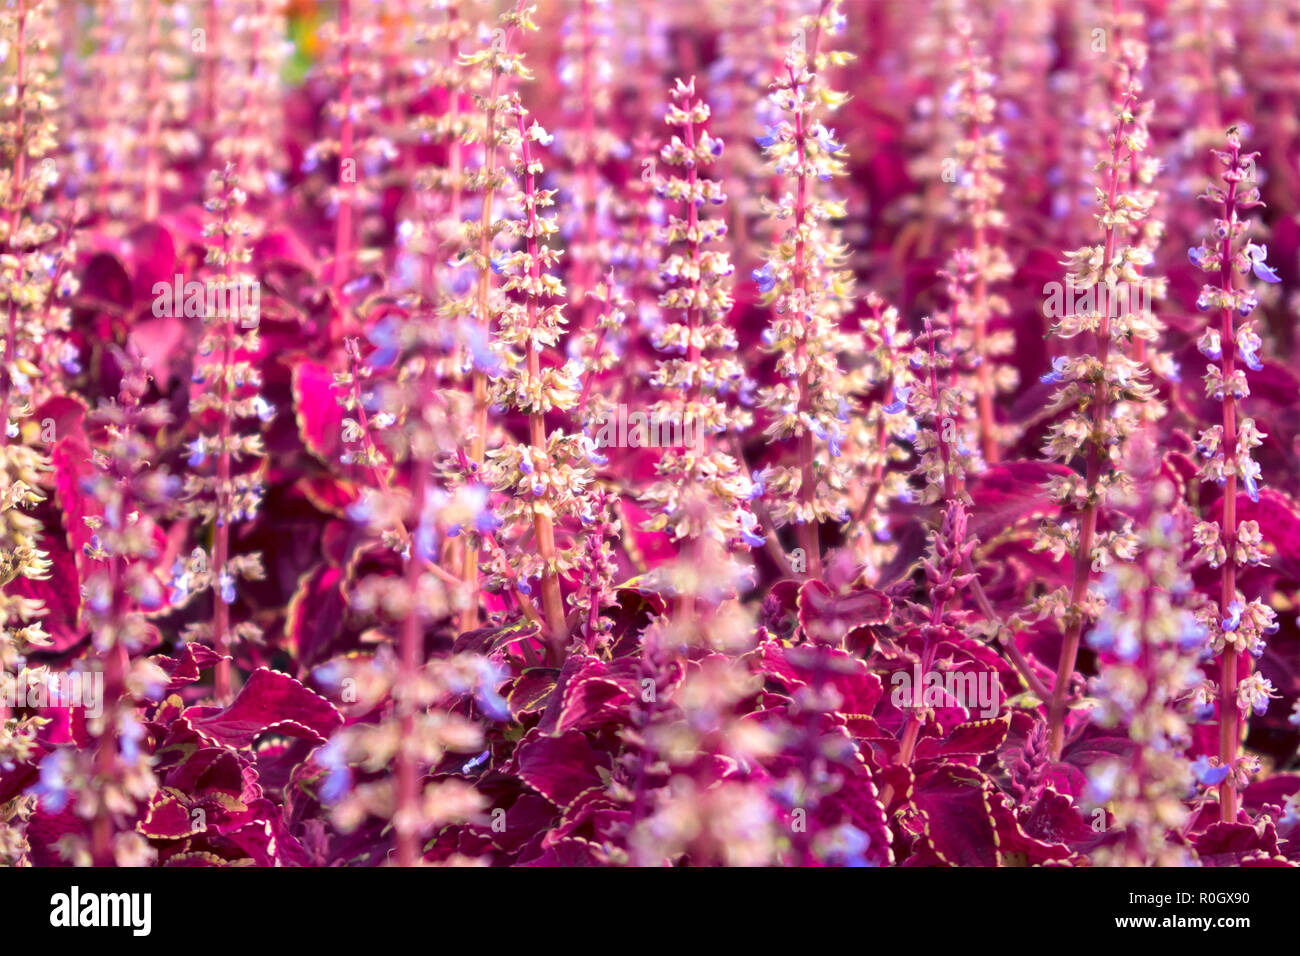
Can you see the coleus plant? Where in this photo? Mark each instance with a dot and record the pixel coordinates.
(344, 518)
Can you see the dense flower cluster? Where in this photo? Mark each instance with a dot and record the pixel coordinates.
(807, 289)
(702, 374)
(426, 442)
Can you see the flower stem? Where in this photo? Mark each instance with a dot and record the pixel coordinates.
(808, 528)
(1088, 521)
(478, 438)
(1229, 716)
(343, 224)
(153, 98)
(552, 597)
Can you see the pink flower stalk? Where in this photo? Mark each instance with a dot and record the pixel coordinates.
(359, 145)
(33, 277)
(347, 133)
(877, 439)
(587, 73)
(249, 115)
(983, 263)
(436, 231)
(228, 393)
(1103, 390)
(702, 490)
(168, 136)
(1149, 640)
(1237, 631)
(496, 63)
(120, 592)
(544, 479)
(802, 281)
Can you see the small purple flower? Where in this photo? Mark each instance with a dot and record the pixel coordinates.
(384, 337)
(1257, 254)
(70, 359)
(338, 780)
(361, 510)
(1102, 637)
(198, 454)
(1192, 636)
(1250, 475)
(426, 539)
(480, 350)
(764, 278)
(826, 138)
(771, 134)
(590, 450)
(180, 581)
(1210, 346)
(1207, 775)
(130, 733)
(150, 593)
(53, 785)
(485, 520)
(1233, 620)
(899, 404)
(1060, 366)
(1248, 345)
(227, 587)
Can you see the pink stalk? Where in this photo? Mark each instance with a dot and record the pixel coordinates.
(585, 265)
(772, 542)
(478, 441)
(222, 672)
(343, 223)
(19, 174)
(455, 151)
(808, 530)
(411, 657)
(1229, 715)
(116, 664)
(552, 598)
(211, 66)
(863, 517)
(1088, 521)
(686, 603)
(590, 378)
(951, 491)
(979, 241)
(153, 97)
(499, 557)
(20, 164)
